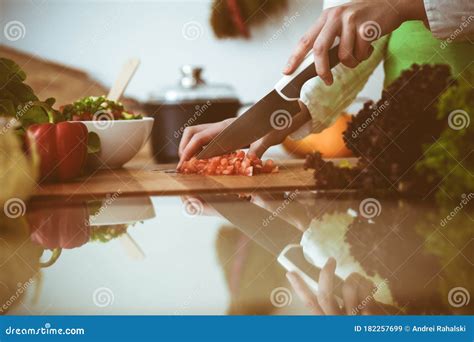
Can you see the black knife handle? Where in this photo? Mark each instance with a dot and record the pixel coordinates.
(290, 86)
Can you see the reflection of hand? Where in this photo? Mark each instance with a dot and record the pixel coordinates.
(357, 294)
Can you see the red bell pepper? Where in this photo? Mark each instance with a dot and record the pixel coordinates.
(62, 149)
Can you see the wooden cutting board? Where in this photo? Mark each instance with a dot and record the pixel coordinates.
(160, 180)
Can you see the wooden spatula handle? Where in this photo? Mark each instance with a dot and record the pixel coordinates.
(121, 83)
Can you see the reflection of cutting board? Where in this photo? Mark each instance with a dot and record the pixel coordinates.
(154, 180)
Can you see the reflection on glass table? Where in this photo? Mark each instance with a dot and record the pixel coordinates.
(395, 256)
(224, 254)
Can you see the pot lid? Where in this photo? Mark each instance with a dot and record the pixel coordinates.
(192, 87)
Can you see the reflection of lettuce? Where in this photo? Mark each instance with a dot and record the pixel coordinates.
(110, 232)
(107, 233)
(407, 245)
(389, 245)
(404, 244)
(452, 244)
(326, 238)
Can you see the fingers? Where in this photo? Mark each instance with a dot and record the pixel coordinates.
(195, 137)
(187, 135)
(197, 141)
(321, 47)
(325, 295)
(304, 45)
(277, 136)
(346, 21)
(358, 294)
(366, 296)
(350, 293)
(363, 48)
(259, 147)
(347, 43)
(304, 293)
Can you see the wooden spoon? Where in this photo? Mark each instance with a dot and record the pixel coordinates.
(118, 88)
(131, 247)
(122, 81)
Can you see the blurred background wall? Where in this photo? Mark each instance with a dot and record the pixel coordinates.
(98, 36)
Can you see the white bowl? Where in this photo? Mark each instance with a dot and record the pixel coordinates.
(120, 141)
(123, 210)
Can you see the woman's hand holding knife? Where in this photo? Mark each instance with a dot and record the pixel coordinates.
(357, 23)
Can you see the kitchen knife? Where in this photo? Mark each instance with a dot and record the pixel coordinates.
(272, 234)
(274, 111)
(276, 235)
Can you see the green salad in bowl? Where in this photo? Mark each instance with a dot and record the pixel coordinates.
(95, 108)
(122, 133)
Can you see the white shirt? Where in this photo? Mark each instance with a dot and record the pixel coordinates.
(450, 17)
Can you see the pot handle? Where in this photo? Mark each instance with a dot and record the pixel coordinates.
(54, 257)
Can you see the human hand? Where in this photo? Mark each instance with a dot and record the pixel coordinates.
(358, 24)
(358, 294)
(196, 137)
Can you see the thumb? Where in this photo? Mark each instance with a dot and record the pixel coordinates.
(258, 148)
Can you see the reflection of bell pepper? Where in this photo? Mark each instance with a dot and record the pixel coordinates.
(67, 226)
(62, 148)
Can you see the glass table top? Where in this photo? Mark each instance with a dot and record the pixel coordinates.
(229, 254)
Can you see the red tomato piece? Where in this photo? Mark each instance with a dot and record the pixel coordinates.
(236, 163)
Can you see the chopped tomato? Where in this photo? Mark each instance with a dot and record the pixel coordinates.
(237, 163)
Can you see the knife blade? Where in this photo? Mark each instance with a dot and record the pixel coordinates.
(273, 235)
(275, 111)
(257, 121)
(277, 236)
